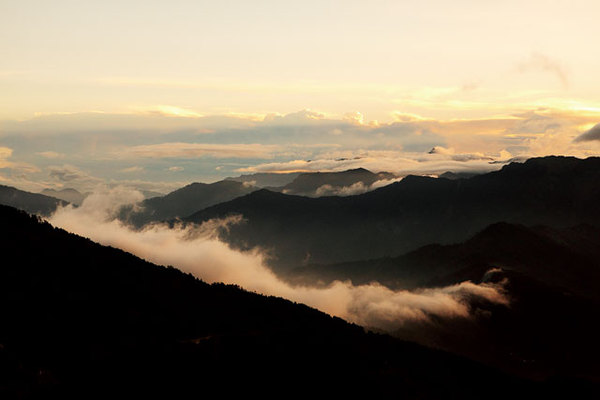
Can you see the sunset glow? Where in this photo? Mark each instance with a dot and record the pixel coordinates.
(79, 83)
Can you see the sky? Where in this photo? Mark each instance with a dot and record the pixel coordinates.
(157, 94)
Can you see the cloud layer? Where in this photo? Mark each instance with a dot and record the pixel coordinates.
(101, 147)
(196, 150)
(196, 250)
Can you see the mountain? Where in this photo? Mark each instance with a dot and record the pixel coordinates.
(183, 202)
(457, 175)
(148, 194)
(295, 231)
(316, 184)
(83, 320)
(265, 179)
(69, 195)
(552, 277)
(568, 257)
(34, 203)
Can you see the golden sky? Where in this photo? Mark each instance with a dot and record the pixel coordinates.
(517, 78)
(439, 59)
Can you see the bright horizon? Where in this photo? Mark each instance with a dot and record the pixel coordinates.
(155, 95)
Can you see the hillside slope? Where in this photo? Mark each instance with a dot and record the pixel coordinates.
(34, 203)
(551, 276)
(184, 201)
(82, 320)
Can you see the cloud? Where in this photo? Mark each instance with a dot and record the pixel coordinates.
(5, 153)
(171, 111)
(175, 169)
(398, 162)
(195, 150)
(463, 157)
(67, 173)
(354, 118)
(29, 177)
(541, 62)
(135, 168)
(329, 190)
(589, 135)
(102, 144)
(302, 117)
(18, 169)
(196, 250)
(399, 116)
(51, 154)
(354, 189)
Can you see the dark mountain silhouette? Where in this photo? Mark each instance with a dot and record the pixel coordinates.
(568, 257)
(34, 203)
(308, 184)
(148, 194)
(458, 175)
(69, 195)
(552, 191)
(183, 202)
(83, 320)
(553, 282)
(265, 179)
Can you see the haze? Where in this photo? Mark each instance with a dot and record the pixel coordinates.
(153, 95)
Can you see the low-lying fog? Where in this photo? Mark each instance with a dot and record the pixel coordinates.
(198, 251)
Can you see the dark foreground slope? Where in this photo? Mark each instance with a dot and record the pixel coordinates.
(82, 320)
(184, 201)
(552, 277)
(554, 191)
(34, 203)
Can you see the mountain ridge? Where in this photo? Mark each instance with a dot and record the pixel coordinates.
(34, 203)
(85, 320)
(553, 191)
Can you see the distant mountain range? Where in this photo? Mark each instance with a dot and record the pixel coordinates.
(183, 202)
(553, 277)
(568, 257)
(295, 230)
(265, 179)
(34, 203)
(78, 315)
(81, 320)
(458, 175)
(197, 196)
(69, 195)
(316, 184)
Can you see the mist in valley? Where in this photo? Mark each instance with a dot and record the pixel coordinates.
(197, 250)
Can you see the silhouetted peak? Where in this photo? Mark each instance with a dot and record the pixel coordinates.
(552, 164)
(502, 229)
(264, 193)
(411, 179)
(226, 183)
(358, 171)
(355, 171)
(457, 175)
(65, 190)
(193, 185)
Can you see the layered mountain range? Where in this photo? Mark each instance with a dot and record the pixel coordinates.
(34, 203)
(551, 277)
(418, 210)
(78, 315)
(81, 320)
